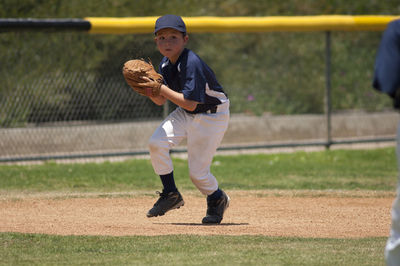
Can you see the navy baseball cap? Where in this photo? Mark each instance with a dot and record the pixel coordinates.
(170, 21)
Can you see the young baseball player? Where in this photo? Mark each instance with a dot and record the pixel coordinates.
(387, 80)
(201, 118)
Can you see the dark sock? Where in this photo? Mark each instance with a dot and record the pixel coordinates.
(168, 182)
(215, 195)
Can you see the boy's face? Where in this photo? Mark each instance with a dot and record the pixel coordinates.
(171, 43)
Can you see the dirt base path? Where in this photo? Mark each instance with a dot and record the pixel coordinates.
(270, 213)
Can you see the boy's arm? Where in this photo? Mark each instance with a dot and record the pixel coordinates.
(159, 100)
(177, 98)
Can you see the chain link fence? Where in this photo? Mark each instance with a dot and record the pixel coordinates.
(62, 94)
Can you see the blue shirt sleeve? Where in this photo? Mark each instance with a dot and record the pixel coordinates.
(195, 82)
(387, 63)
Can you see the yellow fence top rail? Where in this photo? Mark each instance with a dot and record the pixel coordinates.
(246, 24)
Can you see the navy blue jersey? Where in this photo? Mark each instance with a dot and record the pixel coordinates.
(194, 78)
(387, 64)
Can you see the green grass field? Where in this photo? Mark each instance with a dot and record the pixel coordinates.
(24, 249)
(328, 170)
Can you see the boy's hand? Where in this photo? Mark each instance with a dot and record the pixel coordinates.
(142, 77)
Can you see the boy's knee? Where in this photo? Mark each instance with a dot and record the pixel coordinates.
(154, 144)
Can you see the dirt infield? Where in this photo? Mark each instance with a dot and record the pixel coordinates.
(271, 213)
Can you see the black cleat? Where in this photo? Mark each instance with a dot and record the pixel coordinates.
(166, 202)
(216, 209)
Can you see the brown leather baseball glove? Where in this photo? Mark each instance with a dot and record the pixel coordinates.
(142, 77)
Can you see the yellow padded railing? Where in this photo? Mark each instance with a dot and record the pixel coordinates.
(246, 24)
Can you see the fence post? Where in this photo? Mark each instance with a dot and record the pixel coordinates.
(327, 101)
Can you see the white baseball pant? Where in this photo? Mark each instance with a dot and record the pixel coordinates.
(204, 133)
